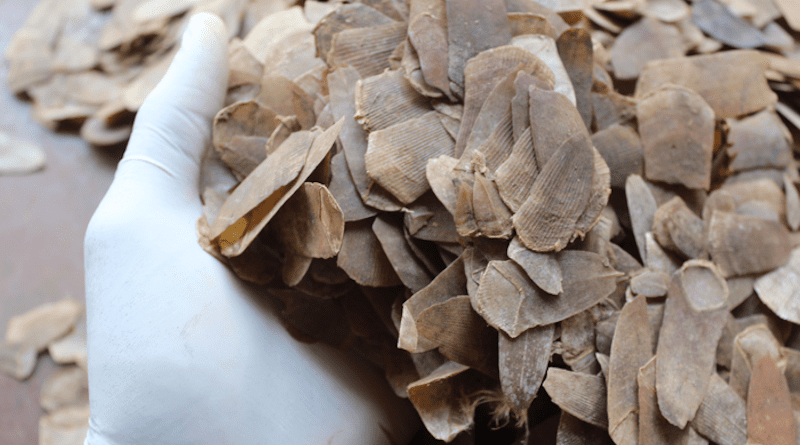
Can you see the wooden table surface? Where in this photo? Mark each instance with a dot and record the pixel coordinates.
(43, 218)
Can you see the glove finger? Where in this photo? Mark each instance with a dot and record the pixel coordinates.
(173, 126)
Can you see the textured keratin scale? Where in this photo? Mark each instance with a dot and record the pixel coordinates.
(574, 431)
(612, 108)
(258, 218)
(465, 215)
(366, 49)
(473, 26)
(641, 208)
(544, 48)
(714, 77)
(546, 221)
(342, 84)
(621, 148)
(345, 192)
(780, 289)
(491, 216)
(311, 223)
(461, 334)
(554, 120)
(427, 32)
(494, 111)
(515, 176)
(575, 49)
(523, 363)
(448, 284)
(409, 268)
(770, 418)
(266, 181)
(397, 157)
(240, 133)
(646, 40)
(542, 268)
(355, 15)
(529, 23)
(427, 219)
(630, 350)
(508, 300)
(733, 195)
(440, 175)
(722, 417)
(694, 315)
(505, 298)
(742, 244)
(601, 190)
(792, 203)
(677, 228)
(499, 144)
(440, 400)
(387, 99)
(654, 429)
(362, 257)
(677, 130)
(719, 22)
(759, 141)
(482, 73)
(749, 346)
(44, 324)
(520, 114)
(578, 340)
(409, 62)
(582, 395)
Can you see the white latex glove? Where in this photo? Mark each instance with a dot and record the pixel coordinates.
(180, 349)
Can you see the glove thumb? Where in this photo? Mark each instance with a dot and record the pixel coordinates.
(173, 126)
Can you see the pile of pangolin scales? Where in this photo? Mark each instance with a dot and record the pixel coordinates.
(456, 190)
(59, 329)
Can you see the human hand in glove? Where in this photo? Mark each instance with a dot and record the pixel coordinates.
(180, 349)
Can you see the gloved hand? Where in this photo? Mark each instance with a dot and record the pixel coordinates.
(180, 349)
